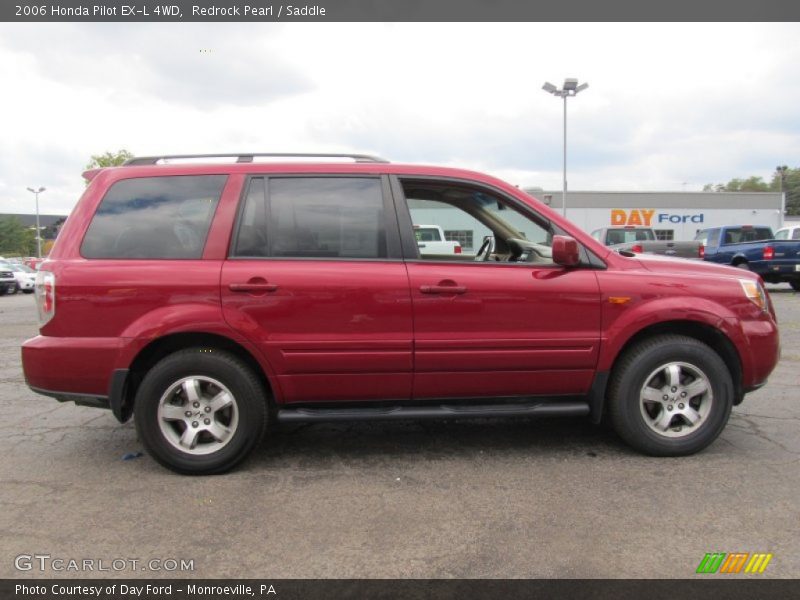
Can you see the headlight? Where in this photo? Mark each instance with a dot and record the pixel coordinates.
(755, 293)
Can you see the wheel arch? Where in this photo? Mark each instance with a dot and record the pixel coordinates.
(709, 335)
(159, 348)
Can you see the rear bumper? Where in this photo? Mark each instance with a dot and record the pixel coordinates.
(773, 271)
(73, 366)
(79, 399)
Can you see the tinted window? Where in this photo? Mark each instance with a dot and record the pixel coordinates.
(796, 234)
(747, 234)
(154, 217)
(314, 217)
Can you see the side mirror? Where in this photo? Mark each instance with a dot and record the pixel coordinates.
(565, 251)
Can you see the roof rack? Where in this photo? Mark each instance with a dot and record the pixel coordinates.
(249, 157)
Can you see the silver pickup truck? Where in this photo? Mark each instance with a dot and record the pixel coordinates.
(643, 240)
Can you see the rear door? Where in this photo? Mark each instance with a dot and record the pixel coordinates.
(487, 326)
(315, 279)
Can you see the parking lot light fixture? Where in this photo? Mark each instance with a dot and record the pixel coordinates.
(571, 88)
(38, 230)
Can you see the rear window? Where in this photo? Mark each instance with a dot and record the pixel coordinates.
(154, 217)
(427, 234)
(738, 235)
(625, 236)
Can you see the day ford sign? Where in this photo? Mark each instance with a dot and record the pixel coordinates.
(647, 217)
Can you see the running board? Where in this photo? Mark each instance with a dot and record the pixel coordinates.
(453, 411)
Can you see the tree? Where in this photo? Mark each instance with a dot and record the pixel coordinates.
(785, 179)
(751, 184)
(51, 231)
(790, 186)
(109, 159)
(15, 238)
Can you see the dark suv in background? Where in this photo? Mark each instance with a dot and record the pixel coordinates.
(211, 296)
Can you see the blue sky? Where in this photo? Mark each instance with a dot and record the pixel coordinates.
(669, 107)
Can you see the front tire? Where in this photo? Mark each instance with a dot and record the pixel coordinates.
(670, 395)
(200, 411)
(795, 283)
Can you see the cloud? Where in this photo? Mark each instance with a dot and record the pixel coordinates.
(668, 104)
(194, 65)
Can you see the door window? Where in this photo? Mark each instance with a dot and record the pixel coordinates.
(496, 229)
(313, 217)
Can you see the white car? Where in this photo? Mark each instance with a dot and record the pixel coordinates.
(431, 241)
(24, 276)
(788, 233)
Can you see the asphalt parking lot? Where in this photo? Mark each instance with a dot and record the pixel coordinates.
(491, 498)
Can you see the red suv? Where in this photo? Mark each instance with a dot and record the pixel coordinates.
(211, 296)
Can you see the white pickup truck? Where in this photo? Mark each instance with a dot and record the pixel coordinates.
(788, 233)
(431, 242)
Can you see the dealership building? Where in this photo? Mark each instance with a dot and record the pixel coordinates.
(673, 215)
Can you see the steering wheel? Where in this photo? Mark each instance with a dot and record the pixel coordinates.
(486, 250)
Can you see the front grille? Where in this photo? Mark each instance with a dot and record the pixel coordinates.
(6, 275)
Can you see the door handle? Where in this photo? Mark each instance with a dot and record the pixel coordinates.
(252, 287)
(442, 289)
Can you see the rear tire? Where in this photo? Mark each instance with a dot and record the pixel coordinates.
(795, 283)
(670, 395)
(744, 265)
(200, 411)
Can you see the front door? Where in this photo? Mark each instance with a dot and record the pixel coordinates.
(500, 318)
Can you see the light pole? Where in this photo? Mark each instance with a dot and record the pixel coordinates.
(781, 169)
(38, 231)
(571, 88)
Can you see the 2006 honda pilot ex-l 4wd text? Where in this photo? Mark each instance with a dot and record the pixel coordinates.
(209, 297)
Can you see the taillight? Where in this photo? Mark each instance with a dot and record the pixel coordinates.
(45, 296)
(769, 253)
(457, 250)
(637, 248)
(701, 251)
